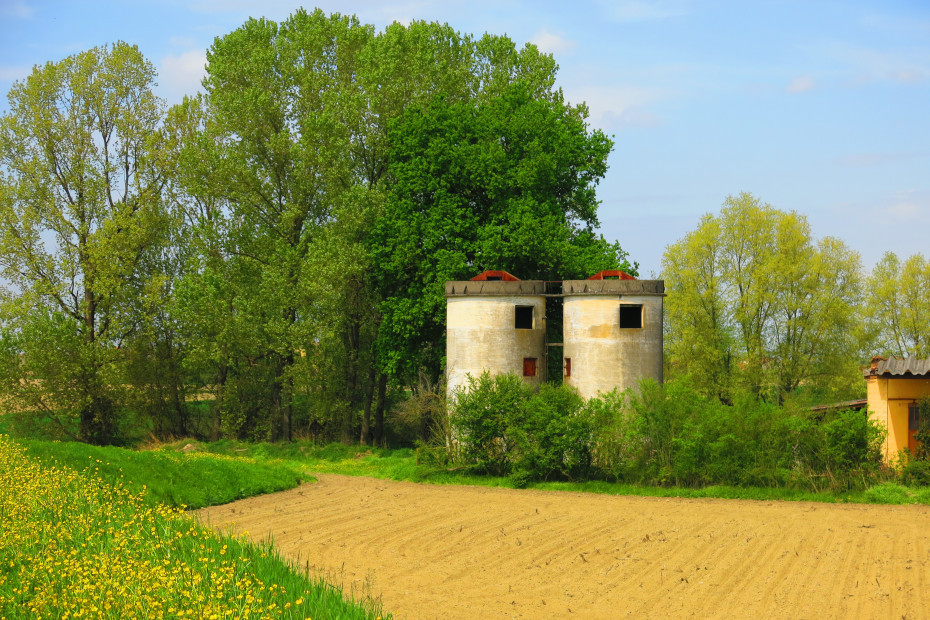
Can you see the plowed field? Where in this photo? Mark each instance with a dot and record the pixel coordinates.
(472, 552)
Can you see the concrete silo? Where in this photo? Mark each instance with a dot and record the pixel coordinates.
(495, 323)
(612, 332)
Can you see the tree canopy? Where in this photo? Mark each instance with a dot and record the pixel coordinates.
(898, 305)
(82, 181)
(507, 183)
(754, 303)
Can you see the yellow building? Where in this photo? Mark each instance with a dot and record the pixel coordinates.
(895, 385)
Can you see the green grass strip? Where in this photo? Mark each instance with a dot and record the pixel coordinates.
(402, 465)
(193, 479)
(74, 545)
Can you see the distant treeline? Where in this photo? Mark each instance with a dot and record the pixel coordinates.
(268, 258)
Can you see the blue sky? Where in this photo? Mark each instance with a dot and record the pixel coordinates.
(819, 107)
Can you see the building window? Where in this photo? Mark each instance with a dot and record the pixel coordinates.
(568, 367)
(913, 417)
(631, 316)
(494, 278)
(523, 317)
(529, 366)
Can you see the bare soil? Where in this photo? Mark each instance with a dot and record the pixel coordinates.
(473, 552)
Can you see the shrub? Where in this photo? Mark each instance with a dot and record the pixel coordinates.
(555, 435)
(505, 428)
(916, 473)
(483, 415)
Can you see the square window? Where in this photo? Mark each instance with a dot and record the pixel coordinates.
(529, 366)
(631, 316)
(523, 317)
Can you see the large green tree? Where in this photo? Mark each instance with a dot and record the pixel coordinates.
(296, 130)
(754, 303)
(80, 214)
(508, 183)
(899, 305)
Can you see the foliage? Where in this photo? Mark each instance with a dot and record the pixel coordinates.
(505, 183)
(482, 416)
(402, 465)
(916, 473)
(81, 210)
(73, 544)
(673, 435)
(506, 428)
(755, 304)
(898, 306)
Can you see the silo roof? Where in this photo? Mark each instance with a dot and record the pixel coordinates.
(495, 287)
(613, 287)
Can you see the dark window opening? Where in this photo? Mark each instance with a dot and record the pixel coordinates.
(523, 317)
(529, 366)
(913, 417)
(631, 317)
(568, 367)
(493, 278)
(611, 277)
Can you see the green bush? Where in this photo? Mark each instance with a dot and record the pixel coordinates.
(916, 473)
(484, 414)
(506, 428)
(554, 437)
(672, 435)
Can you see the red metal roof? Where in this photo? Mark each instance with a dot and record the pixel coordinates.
(611, 274)
(495, 275)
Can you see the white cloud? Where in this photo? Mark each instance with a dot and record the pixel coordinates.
(181, 75)
(551, 43)
(15, 8)
(617, 106)
(801, 84)
(185, 42)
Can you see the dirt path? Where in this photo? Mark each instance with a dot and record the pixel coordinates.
(472, 552)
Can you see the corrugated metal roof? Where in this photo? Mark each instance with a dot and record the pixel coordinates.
(855, 405)
(900, 366)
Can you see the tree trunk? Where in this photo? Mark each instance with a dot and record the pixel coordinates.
(218, 402)
(369, 396)
(379, 410)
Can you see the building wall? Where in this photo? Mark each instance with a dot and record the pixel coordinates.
(889, 397)
(481, 336)
(603, 355)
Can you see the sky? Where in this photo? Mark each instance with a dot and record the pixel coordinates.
(816, 107)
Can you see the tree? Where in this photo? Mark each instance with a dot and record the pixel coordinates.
(507, 183)
(81, 206)
(899, 308)
(297, 127)
(754, 303)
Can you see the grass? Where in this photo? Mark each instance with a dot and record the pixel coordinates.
(171, 476)
(402, 465)
(73, 545)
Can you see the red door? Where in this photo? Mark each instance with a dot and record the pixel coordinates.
(913, 427)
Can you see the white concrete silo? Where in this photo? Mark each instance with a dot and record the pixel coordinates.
(495, 326)
(612, 333)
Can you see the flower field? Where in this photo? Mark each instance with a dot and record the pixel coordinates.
(74, 546)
